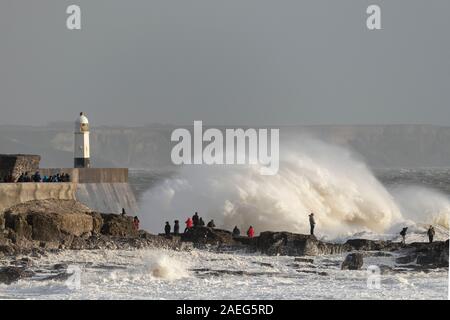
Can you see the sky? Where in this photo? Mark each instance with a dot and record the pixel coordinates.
(225, 62)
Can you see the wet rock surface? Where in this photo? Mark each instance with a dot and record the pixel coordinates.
(12, 274)
(353, 261)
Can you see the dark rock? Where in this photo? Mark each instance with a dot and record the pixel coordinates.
(406, 259)
(11, 274)
(205, 235)
(60, 266)
(353, 261)
(291, 244)
(433, 255)
(306, 260)
(373, 245)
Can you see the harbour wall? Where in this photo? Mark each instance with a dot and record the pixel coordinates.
(106, 197)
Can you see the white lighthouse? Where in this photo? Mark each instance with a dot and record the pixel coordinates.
(82, 149)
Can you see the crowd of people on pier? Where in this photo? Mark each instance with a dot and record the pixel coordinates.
(36, 177)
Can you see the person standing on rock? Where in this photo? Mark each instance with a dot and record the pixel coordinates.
(136, 223)
(176, 227)
(201, 223)
(431, 233)
(251, 232)
(124, 213)
(167, 228)
(403, 234)
(312, 223)
(236, 232)
(189, 224)
(195, 219)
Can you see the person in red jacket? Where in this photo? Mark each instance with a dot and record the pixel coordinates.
(189, 224)
(251, 232)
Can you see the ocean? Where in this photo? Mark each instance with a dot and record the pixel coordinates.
(196, 274)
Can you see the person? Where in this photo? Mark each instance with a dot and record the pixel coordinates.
(312, 223)
(123, 212)
(136, 223)
(211, 224)
(236, 232)
(21, 178)
(189, 224)
(167, 228)
(201, 223)
(195, 219)
(251, 232)
(176, 227)
(431, 233)
(45, 179)
(403, 234)
(37, 177)
(27, 177)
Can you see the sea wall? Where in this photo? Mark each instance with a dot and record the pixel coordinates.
(102, 197)
(107, 197)
(90, 175)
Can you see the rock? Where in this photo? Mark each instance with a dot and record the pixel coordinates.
(48, 220)
(2, 222)
(97, 222)
(18, 224)
(353, 261)
(205, 235)
(291, 244)
(373, 245)
(60, 266)
(117, 225)
(433, 255)
(305, 260)
(406, 259)
(11, 274)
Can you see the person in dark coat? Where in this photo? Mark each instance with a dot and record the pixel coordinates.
(195, 219)
(201, 223)
(403, 234)
(236, 232)
(431, 233)
(211, 224)
(312, 223)
(124, 213)
(176, 227)
(167, 228)
(136, 223)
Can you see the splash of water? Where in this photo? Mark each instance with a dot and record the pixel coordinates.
(314, 177)
(162, 266)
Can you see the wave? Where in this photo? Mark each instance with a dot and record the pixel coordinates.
(314, 176)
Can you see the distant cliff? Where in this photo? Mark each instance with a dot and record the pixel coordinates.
(149, 147)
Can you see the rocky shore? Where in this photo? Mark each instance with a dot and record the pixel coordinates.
(35, 228)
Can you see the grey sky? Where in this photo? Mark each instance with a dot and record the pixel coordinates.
(225, 62)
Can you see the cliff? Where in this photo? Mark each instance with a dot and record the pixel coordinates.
(150, 147)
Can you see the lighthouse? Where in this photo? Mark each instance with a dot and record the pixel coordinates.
(82, 149)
